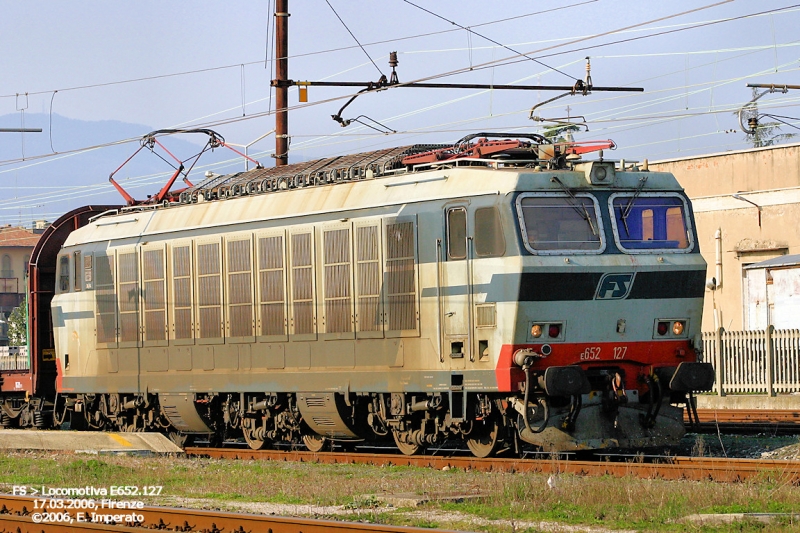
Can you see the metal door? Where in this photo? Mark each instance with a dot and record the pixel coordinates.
(456, 288)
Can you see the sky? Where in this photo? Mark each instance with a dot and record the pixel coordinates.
(162, 64)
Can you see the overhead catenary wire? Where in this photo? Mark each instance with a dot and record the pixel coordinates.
(471, 31)
(483, 65)
(790, 8)
(114, 143)
(408, 133)
(498, 62)
(515, 59)
(272, 58)
(354, 38)
(667, 32)
(645, 104)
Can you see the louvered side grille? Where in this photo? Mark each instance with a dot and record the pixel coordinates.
(400, 285)
(240, 290)
(338, 315)
(105, 299)
(128, 298)
(486, 316)
(368, 278)
(182, 295)
(209, 297)
(155, 315)
(302, 285)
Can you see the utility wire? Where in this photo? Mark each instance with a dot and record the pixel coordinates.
(499, 62)
(318, 52)
(667, 32)
(516, 59)
(339, 49)
(353, 36)
(228, 121)
(487, 38)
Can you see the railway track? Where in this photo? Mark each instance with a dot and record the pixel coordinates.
(672, 468)
(17, 515)
(748, 420)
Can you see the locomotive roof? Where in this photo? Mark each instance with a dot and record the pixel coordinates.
(328, 170)
(317, 189)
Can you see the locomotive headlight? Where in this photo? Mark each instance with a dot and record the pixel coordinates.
(600, 174)
(536, 331)
(677, 328)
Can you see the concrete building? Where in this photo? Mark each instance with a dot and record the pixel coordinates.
(747, 210)
(16, 245)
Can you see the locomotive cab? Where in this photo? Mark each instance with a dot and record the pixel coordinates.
(607, 333)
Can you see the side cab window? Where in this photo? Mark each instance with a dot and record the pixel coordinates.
(489, 240)
(456, 234)
(63, 273)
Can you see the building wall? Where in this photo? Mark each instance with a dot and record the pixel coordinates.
(18, 258)
(768, 177)
(16, 245)
(758, 169)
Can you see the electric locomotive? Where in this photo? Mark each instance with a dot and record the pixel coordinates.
(503, 291)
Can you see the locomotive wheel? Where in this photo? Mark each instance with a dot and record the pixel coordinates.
(254, 443)
(314, 442)
(484, 439)
(405, 447)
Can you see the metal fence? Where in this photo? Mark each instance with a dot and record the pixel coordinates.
(760, 361)
(14, 358)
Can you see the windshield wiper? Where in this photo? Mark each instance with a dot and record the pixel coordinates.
(579, 207)
(624, 214)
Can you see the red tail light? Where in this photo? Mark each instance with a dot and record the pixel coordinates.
(662, 328)
(554, 330)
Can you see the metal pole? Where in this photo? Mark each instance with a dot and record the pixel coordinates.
(720, 361)
(281, 88)
(770, 348)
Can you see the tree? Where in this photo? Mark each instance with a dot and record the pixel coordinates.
(18, 325)
(555, 133)
(758, 133)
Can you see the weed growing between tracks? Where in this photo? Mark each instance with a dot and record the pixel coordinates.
(506, 502)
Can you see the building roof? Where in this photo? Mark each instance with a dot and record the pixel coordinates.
(18, 237)
(776, 262)
(727, 153)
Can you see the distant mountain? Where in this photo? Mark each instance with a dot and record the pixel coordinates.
(45, 188)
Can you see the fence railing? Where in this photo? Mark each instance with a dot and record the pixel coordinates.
(761, 361)
(14, 358)
(9, 284)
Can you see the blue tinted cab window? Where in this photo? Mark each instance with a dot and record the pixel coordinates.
(650, 222)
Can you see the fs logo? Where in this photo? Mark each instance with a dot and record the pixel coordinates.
(614, 286)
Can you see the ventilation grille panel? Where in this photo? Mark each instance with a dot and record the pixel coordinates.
(400, 284)
(486, 315)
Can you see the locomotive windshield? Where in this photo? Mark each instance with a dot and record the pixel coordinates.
(650, 222)
(558, 222)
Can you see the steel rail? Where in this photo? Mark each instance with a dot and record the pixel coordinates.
(778, 421)
(740, 416)
(671, 468)
(16, 513)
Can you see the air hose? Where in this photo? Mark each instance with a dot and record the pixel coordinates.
(525, 405)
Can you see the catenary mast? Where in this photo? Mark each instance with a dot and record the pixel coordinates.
(280, 82)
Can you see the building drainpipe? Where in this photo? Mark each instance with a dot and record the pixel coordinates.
(718, 272)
